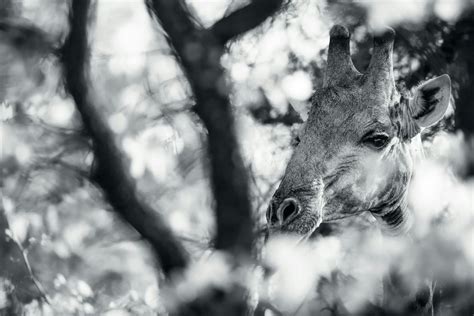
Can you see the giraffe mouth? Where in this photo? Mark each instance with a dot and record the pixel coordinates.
(302, 225)
(299, 213)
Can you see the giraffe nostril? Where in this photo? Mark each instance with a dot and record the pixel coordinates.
(280, 214)
(288, 210)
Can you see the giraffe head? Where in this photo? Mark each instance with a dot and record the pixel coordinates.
(355, 152)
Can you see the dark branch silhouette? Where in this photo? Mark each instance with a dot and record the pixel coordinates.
(110, 170)
(199, 52)
(245, 19)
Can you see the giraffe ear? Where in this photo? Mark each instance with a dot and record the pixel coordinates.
(431, 101)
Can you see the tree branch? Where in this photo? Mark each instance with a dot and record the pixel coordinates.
(110, 170)
(199, 52)
(244, 19)
(177, 17)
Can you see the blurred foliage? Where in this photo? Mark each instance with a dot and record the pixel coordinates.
(87, 260)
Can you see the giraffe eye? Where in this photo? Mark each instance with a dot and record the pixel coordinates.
(376, 140)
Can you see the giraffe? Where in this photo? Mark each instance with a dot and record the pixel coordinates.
(356, 151)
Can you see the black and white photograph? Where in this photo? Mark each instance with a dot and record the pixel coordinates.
(237, 157)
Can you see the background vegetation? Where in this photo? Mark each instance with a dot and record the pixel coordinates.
(142, 140)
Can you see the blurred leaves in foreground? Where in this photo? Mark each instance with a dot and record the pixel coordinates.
(88, 261)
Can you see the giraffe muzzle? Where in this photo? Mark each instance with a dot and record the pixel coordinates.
(284, 213)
